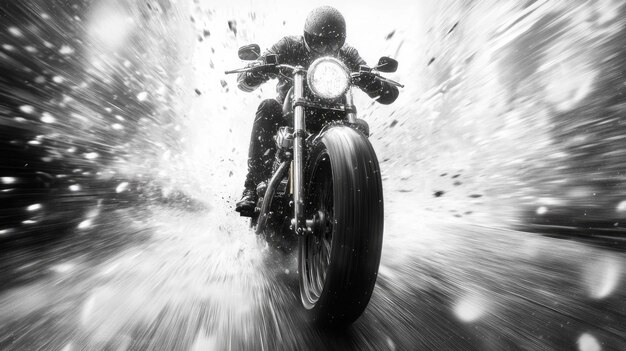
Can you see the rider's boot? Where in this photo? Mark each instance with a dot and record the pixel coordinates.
(248, 201)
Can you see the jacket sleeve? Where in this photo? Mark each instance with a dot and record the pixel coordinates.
(384, 93)
(247, 81)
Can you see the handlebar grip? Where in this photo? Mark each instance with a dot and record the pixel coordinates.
(390, 81)
(247, 69)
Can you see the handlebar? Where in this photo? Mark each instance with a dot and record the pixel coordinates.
(259, 67)
(283, 65)
(390, 81)
(239, 70)
(293, 68)
(379, 77)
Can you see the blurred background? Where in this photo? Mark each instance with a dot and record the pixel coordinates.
(124, 149)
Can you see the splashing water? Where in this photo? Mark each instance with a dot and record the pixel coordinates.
(128, 148)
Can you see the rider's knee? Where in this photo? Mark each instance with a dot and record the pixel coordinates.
(269, 109)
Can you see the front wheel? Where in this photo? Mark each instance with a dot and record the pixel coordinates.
(338, 260)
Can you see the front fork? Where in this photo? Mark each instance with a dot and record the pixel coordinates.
(299, 125)
(350, 108)
(299, 223)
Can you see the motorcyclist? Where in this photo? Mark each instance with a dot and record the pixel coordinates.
(324, 35)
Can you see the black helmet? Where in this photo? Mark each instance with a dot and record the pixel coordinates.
(324, 30)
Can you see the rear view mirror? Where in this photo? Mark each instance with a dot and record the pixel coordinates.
(387, 65)
(249, 52)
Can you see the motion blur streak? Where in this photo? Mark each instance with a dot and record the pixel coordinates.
(124, 147)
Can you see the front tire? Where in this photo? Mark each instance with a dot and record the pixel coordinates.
(339, 261)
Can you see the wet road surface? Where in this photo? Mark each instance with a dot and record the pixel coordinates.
(165, 279)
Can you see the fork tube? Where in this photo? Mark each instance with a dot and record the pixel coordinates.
(351, 115)
(298, 154)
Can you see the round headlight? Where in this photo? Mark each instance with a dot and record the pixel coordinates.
(328, 78)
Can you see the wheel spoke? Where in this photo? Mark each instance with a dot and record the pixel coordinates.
(327, 252)
(319, 284)
(313, 268)
(317, 247)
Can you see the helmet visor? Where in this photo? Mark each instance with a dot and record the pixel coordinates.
(323, 45)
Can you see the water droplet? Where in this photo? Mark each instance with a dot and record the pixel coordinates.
(85, 224)
(469, 309)
(8, 180)
(27, 109)
(47, 118)
(6, 231)
(588, 342)
(33, 207)
(91, 155)
(123, 186)
(66, 50)
(16, 32)
(142, 96)
(602, 276)
(63, 267)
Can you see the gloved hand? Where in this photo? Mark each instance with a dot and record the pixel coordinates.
(368, 82)
(260, 75)
(263, 71)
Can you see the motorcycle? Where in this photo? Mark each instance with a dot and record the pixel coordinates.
(326, 189)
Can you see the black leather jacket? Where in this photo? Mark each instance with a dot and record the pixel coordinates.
(292, 50)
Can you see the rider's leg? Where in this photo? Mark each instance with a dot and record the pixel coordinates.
(262, 149)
